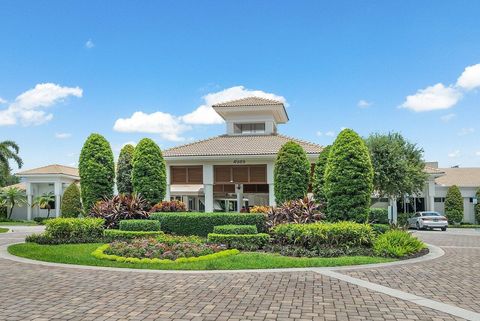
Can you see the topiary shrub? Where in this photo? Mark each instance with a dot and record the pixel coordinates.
(250, 242)
(477, 207)
(378, 215)
(235, 229)
(291, 173)
(169, 206)
(71, 202)
(97, 170)
(149, 173)
(348, 178)
(397, 243)
(70, 230)
(454, 205)
(124, 170)
(139, 225)
(318, 182)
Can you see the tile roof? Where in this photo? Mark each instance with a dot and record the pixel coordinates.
(21, 186)
(249, 101)
(433, 170)
(239, 145)
(462, 177)
(51, 169)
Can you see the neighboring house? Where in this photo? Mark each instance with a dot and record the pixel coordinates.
(37, 181)
(235, 170)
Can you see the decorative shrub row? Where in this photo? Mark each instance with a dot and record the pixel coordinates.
(203, 223)
(312, 236)
(235, 229)
(117, 235)
(320, 251)
(169, 206)
(243, 242)
(397, 243)
(100, 254)
(70, 230)
(139, 225)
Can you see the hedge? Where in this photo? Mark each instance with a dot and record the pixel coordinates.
(139, 225)
(99, 253)
(203, 223)
(241, 242)
(70, 230)
(235, 229)
(118, 235)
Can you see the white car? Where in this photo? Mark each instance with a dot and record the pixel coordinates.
(428, 220)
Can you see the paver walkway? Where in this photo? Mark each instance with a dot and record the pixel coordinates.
(36, 292)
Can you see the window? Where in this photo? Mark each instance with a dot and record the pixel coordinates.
(439, 200)
(256, 128)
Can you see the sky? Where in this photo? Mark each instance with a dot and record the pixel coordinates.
(129, 70)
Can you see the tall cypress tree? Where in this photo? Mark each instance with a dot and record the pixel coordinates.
(124, 170)
(454, 205)
(348, 178)
(71, 201)
(149, 171)
(318, 183)
(291, 173)
(97, 170)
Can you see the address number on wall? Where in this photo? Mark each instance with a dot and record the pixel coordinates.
(239, 161)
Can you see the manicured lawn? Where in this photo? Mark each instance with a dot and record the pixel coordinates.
(3, 230)
(81, 254)
(19, 223)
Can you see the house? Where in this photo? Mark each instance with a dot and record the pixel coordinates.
(46, 179)
(234, 170)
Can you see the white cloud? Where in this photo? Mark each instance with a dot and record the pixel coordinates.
(205, 115)
(448, 117)
(29, 107)
(2, 101)
(432, 98)
(454, 154)
(330, 133)
(466, 131)
(168, 126)
(63, 135)
(89, 44)
(477, 153)
(470, 78)
(364, 103)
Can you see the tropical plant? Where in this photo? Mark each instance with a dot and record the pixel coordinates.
(45, 201)
(318, 182)
(169, 206)
(291, 173)
(260, 209)
(454, 205)
(9, 151)
(477, 207)
(11, 197)
(124, 170)
(397, 243)
(348, 178)
(97, 170)
(301, 211)
(149, 176)
(71, 201)
(120, 207)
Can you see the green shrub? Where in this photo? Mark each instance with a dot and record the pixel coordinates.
(378, 215)
(124, 170)
(454, 205)
(249, 242)
(41, 220)
(235, 229)
(70, 230)
(348, 179)
(119, 235)
(139, 225)
(299, 251)
(71, 201)
(397, 243)
(149, 176)
(380, 228)
(477, 207)
(175, 239)
(315, 235)
(97, 170)
(318, 182)
(291, 173)
(203, 223)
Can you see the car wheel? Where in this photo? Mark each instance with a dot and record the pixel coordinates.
(444, 229)
(417, 226)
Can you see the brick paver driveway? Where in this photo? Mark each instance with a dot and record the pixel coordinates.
(37, 292)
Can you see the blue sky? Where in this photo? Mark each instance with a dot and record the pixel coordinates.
(70, 68)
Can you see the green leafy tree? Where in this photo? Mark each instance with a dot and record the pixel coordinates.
(124, 170)
(318, 183)
(348, 178)
(149, 178)
(398, 166)
(477, 207)
(11, 197)
(45, 201)
(97, 170)
(291, 173)
(454, 205)
(6, 177)
(71, 201)
(9, 151)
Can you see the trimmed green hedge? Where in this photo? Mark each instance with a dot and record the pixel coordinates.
(241, 242)
(139, 225)
(118, 235)
(70, 230)
(203, 223)
(235, 229)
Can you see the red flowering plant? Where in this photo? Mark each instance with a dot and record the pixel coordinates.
(169, 206)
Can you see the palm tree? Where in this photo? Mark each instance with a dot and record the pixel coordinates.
(45, 201)
(12, 196)
(9, 151)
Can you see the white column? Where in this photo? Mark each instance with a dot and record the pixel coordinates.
(58, 193)
(167, 192)
(29, 201)
(431, 194)
(239, 191)
(208, 187)
(271, 187)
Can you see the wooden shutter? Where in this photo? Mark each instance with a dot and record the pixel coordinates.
(178, 175)
(258, 174)
(240, 174)
(222, 174)
(195, 175)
